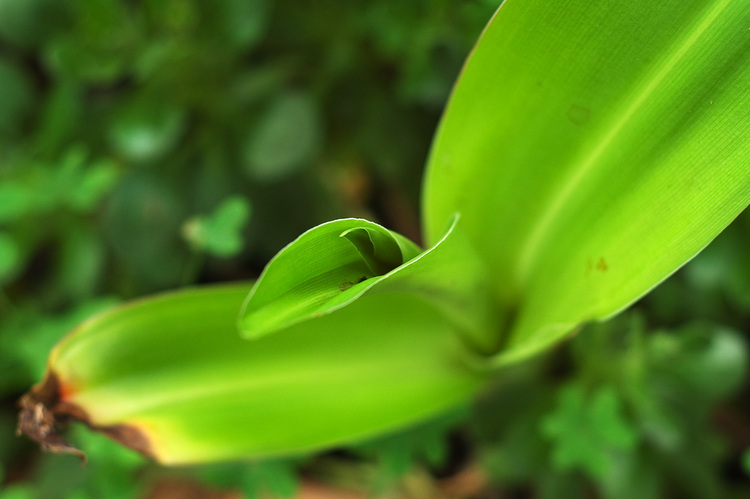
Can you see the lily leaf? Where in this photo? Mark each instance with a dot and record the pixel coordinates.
(303, 282)
(592, 148)
(196, 392)
(452, 278)
(329, 262)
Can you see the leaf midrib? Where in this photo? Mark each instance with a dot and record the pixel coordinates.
(533, 244)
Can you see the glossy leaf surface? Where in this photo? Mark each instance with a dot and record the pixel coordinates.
(320, 271)
(592, 149)
(334, 264)
(174, 369)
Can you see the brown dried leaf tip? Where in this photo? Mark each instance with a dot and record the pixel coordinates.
(37, 419)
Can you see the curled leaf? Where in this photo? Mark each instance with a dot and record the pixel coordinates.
(320, 271)
(328, 268)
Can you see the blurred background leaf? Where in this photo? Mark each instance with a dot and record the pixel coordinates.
(221, 232)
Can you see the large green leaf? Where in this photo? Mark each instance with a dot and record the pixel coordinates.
(197, 392)
(592, 148)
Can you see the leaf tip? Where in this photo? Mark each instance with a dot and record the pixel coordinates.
(38, 420)
(44, 414)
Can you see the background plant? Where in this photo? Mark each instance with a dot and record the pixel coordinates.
(113, 186)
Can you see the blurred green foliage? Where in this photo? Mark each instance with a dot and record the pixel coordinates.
(220, 233)
(148, 145)
(276, 478)
(639, 408)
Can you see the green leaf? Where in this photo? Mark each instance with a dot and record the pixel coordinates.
(286, 139)
(701, 363)
(241, 22)
(17, 492)
(68, 57)
(273, 476)
(86, 184)
(112, 468)
(73, 181)
(336, 263)
(146, 129)
(200, 393)
(426, 443)
(221, 232)
(587, 431)
(320, 271)
(10, 256)
(592, 149)
(100, 46)
(18, 201)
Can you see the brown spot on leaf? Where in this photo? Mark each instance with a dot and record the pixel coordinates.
(44, 415)
(601, 265)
